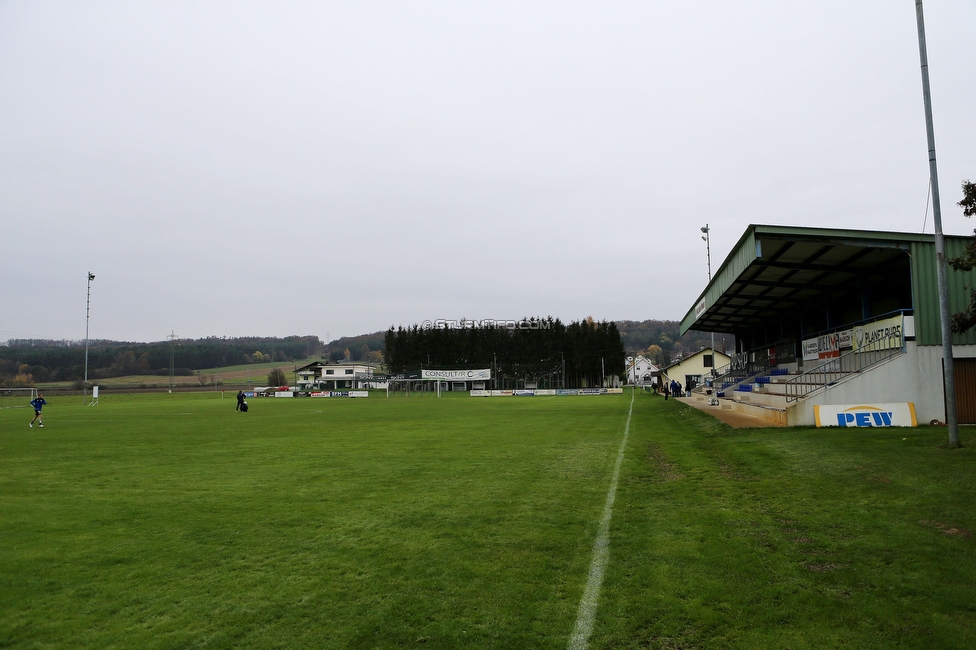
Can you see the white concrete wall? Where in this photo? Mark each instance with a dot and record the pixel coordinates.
(915, 376)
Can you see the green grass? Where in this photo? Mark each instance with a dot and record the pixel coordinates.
(170, 521)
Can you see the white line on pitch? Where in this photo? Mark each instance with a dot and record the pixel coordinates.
(601, 552)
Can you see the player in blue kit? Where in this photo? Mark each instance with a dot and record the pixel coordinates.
(38, 403)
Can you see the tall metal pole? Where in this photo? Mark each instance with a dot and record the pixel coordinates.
(91, 276)
(172, 359)
(708, 252)
(940, 261)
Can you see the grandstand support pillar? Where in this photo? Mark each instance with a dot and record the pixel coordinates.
(940, 261)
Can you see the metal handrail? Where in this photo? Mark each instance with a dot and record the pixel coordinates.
(834, 370)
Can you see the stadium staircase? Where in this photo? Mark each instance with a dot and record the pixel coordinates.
(768, 392)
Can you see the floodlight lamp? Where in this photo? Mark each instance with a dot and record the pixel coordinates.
(704, 238)
(91, 276)
(704, 229)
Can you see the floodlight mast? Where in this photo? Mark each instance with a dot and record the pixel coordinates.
(940, 260)
(172, 359)
(708, 253)
(84, 388)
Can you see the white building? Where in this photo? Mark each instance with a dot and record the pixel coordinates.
(693, 369)
(333, 376)
(641, 369)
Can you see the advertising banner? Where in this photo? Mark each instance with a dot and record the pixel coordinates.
(615, 391)
(810, 350)
(567, 391)
(284, 393)
(403, 376)
(590, 391)
(359, 393)
(782, 353)
(481, 393)
(699, 308)
(866, 415)
(884, 334)
(846, 339)
(457, 375)
(545, 391)
(822, 347)
(524, 393)
(501, 393)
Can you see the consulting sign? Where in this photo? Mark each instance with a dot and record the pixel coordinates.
(457, 375)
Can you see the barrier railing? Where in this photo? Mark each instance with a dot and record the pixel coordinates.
(834, 370)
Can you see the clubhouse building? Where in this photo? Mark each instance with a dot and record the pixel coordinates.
(321, 375)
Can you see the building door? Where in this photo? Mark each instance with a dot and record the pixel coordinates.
(965, 375)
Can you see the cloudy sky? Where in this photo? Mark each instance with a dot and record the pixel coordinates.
(334, 168)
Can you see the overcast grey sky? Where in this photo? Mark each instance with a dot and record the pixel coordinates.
(274, 168)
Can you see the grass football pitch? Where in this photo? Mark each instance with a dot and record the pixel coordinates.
(170, 521)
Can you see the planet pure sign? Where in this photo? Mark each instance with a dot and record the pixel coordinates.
(866, 415)
(879, 335)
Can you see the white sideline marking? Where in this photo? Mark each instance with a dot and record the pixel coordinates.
(601, 551)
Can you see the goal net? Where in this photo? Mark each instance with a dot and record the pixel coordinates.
(27, 394)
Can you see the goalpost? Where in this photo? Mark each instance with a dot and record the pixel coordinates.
(30, 394)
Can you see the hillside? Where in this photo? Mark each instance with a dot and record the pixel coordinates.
(25, 361)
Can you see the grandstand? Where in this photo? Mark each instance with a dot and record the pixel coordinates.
(828, 317)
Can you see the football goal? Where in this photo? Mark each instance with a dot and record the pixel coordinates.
(27, 393)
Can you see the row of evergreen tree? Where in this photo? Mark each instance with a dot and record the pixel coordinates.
(583, 352)
(65, 360)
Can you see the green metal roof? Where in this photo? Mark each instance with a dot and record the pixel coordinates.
(774, 269)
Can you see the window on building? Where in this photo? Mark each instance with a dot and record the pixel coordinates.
(349, 371)
(708, 360)
(330, 372)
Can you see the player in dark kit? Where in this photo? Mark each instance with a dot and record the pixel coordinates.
(240, 400)
(38, 403)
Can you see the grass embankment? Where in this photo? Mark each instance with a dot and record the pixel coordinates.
(790, 538)
(169, 521)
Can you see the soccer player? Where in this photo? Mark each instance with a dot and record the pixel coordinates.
(38, 403)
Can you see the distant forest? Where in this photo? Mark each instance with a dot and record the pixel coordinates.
(26, 361)
(581, 353)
